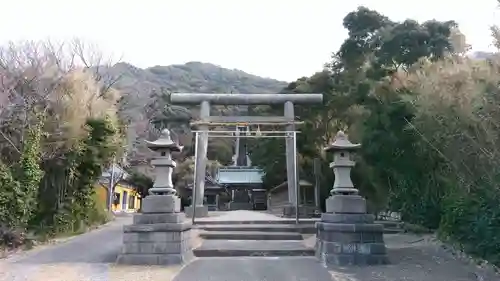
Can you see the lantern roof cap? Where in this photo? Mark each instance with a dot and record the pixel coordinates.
(164, 142)
(341, 142)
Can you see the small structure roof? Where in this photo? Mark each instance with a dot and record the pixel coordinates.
(342, 143)
(164, 142)
(210, 183)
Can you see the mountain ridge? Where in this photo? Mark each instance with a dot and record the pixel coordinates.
(216, 78)
(141, 87)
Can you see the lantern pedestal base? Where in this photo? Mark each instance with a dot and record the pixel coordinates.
(350, 204)
(347, 235)
(158, 236)
(200, 212)
(161, 204)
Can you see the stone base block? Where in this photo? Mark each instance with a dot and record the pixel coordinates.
(161, 204)
(347, 218)
(177, 247)
(349, 204)
(201, 211)
(304, 211)
(158, 218)
(167, 228)
(156, 244)
(352, 259)
(365, 228)
(350, 243)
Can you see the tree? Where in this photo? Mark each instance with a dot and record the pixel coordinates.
(426, 116)
(360, 96)
(58, 130)
(141, 182)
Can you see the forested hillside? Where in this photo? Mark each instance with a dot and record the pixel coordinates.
(145, 99)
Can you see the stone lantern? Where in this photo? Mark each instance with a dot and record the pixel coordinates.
(346, 234)
(342, 164)
(163, 164)
(159, 235)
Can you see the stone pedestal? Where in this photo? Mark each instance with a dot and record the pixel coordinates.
(349, 236)
(201, 211)
(158, 236)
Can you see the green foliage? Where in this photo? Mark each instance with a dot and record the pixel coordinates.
(427, 121)
(59, 132)
(18, 197)
(95, 154)
(12, 206)
(393, 154)
(141, 182)
(30, 172)
(272, 163)
(472, 220)
(27, 198)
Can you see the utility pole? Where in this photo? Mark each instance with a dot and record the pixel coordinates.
(111, 185)
(317, 178)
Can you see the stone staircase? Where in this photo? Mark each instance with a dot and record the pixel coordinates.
(253, 239)
(264, 236)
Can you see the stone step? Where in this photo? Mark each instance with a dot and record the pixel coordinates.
(206, 221)
(306, 221)
(389, 228)
(250, 235)
(301, 228)
(257, 248)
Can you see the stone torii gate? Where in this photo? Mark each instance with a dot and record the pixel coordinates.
(206, 120)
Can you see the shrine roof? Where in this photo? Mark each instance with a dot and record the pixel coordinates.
(240, 175)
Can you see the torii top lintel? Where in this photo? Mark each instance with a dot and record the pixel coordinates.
(244, 99)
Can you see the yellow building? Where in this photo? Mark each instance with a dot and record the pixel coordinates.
(125, 198)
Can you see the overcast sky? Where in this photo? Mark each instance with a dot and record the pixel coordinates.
(282, 39)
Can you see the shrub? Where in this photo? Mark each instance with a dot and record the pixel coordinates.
(11, 238)
(472, 220)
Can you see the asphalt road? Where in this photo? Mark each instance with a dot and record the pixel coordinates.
(98, 246)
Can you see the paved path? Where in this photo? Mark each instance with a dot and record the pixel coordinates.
(83, 257)
(254, 269)
(99, 246)
(251, 268)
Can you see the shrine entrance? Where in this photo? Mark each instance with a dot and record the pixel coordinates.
(241, 127)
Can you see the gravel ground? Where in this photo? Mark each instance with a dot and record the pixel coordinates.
(86, 272)
(413, 258)
(142, 273)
